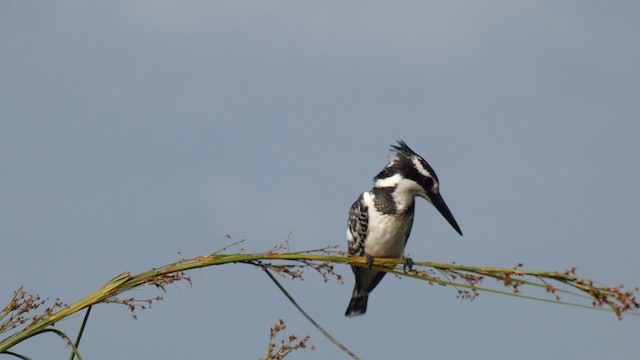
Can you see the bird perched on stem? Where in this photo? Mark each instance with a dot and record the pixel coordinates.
(380, 220)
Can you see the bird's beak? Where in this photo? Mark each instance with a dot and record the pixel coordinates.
(439, 203)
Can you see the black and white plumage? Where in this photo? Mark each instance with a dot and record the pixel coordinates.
(380, 220)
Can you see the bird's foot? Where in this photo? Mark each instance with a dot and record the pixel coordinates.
(408, 264)
(369, 260)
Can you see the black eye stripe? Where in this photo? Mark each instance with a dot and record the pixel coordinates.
(427, 183)
(413, 174)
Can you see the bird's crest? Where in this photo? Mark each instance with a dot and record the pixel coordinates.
(403, 149)
(404, 158)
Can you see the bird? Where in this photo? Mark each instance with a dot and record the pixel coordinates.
(380, 220)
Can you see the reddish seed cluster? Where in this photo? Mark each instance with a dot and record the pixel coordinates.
(472, 279)
(615, 298)
(619, 301)
(19, 311)
(552, 290)
(136, 304)
(508, 281)
(291, 343)
(292, 271)
(326, 271)
(163, 280)
(467, 295)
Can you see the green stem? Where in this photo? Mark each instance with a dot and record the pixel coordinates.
(16, 355)
(173, 271)
(84, 323)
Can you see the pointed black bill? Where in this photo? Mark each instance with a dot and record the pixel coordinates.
(439, 203)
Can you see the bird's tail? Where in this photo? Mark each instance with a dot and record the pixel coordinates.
(357, 305)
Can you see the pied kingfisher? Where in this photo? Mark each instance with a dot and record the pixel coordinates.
(380, 220)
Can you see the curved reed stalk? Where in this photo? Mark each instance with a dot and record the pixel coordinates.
(557, 287)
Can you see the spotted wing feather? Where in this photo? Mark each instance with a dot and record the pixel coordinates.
(358, 223)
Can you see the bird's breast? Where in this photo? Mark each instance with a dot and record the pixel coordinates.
(387, 235)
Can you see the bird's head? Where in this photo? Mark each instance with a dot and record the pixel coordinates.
(409, 173)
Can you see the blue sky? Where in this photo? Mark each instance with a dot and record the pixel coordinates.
(130, 131)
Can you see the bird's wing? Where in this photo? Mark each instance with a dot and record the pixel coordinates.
(357, 227)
